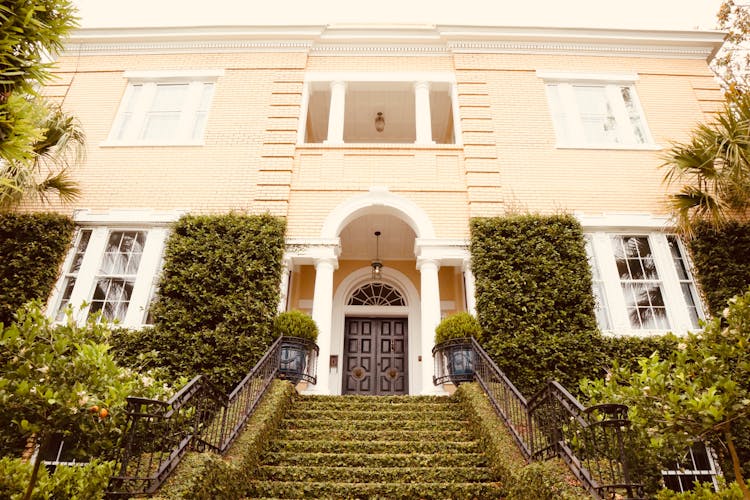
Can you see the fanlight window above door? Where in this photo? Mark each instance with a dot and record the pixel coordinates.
(376, 294)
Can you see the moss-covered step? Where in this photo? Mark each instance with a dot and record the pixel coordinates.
(304, 445)
(376, 474)
(387, 435)
(351, 459)
(348, 403)
(439, 400)
(425, 491)
(448, 412)
(375, 425)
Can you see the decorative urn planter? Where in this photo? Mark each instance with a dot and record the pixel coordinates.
(293, 358)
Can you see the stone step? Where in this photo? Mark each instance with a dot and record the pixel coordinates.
(424, 491)
(437, 400)
(336, 426)
(384, 413)
(375, 474)
(306, 445)
(347, 459)
(373, 435)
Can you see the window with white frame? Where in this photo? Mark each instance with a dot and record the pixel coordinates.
(642, 282)
(596, 111)
(111, 270)
(164, 110)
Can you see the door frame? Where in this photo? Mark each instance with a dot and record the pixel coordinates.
(376, 372)
(411, 311)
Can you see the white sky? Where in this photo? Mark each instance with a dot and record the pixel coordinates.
(665, 14)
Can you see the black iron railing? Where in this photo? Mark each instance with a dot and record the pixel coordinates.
(553, 423)
(199, 417)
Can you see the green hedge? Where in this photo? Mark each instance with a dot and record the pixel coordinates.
(209, 476)
(84, 482)
(534, 300)
(32, 248)
(218, 296)
(549, 480)
(722, 262)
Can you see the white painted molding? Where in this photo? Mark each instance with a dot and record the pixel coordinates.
(127, 217)
(380, 76)
(625, 222)
(394, 39)
(378, 200)
(572, 76)
(174, 74)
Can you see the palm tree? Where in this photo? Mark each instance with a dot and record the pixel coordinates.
(714, 169)
(60, 146)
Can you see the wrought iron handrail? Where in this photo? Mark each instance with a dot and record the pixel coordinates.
(198, 417)
(553, 423)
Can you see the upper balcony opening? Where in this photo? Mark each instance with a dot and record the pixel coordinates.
(386, 112)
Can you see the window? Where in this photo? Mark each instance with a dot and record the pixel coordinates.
(595, 113)
(642, 283)
(111, 270)
(167, 110)
(416, 110)
(698, 464)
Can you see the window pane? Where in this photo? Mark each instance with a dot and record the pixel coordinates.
(558, 113)
(640, 282)
(687, 283)
(169, 97)
(127, 113)
(600, 300)
(635, 117)
(596, 114)
(162, 126)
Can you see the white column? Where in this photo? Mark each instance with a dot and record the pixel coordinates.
(286, 273)
(469, 289)
(336, 113)
(422, 113)
(430, 304)
(321, 314)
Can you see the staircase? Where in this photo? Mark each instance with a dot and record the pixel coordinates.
(367, 446)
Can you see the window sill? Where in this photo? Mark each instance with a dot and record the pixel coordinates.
(115, 144)
(612, 147)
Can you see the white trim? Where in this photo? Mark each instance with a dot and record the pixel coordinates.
(127, 217)
(397, 40)
(570, 76)
(624, 222)
(378, 200)
(380, 76)
(403, 284)
(174, 74)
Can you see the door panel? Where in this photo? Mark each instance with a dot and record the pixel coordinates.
(375, 357)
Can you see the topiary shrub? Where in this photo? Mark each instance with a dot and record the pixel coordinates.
(218, 297)
(458, 326)
(33, 247)
(534, 300)
(295, 324)
(722, 262)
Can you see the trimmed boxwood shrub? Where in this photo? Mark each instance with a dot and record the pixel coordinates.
(722, 262)
(458, 326)
(32, 248)
(534, 300)
(218, 296)
(295, 324)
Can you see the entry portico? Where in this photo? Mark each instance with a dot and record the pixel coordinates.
(430, 275)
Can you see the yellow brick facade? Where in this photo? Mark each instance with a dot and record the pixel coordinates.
(506, 158)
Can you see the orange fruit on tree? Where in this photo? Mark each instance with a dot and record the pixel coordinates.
(94, 409)
(103, 413)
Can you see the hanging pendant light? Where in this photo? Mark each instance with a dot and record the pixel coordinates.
(379, 122)
(377, 266)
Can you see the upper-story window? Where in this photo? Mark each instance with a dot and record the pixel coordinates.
(161, 108)
(379, 108)
(596, 111)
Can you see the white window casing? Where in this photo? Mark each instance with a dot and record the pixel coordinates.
(680, 313)
(163, 108)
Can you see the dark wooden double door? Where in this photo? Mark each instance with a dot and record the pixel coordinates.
(375, 356)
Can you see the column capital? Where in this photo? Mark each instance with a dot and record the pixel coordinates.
(427, 262)
(422, 85)
(333, 262)
(338, 84)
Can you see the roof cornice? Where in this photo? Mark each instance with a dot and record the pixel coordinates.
(398, 39)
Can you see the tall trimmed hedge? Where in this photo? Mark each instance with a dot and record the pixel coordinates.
(722, 262)
(218, 295)
(32, 248)
(534, 300)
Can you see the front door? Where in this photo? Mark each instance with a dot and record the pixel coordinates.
(375, 356)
